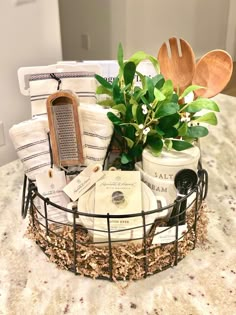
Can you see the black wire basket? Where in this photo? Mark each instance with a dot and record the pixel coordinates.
(71, 245)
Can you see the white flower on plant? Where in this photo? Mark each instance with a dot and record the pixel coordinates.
(145, 110)
(185, 117)
(146, 130)
(141, 126)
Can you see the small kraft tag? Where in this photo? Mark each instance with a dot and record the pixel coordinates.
(169, 235)
(50, 185)
(85, 180)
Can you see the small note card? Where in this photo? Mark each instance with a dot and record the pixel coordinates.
(169, 235)
(84, 181)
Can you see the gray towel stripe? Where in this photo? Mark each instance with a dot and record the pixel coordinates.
(31, 144)
(90, 134)
(34, 156)
(61, 75)
(95, 147)
(37, 167)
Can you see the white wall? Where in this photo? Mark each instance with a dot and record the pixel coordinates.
(203, 23)
(30, 36)
(90, 18)
(104, 21)
(141, 25)
(118, 25)
(231, 30)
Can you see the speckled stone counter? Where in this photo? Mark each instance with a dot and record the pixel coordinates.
(202, 283)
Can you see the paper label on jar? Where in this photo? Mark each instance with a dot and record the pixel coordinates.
(84, 181)
(168, 236)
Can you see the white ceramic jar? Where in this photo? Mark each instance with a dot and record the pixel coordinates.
(159, 172)
(165, 166)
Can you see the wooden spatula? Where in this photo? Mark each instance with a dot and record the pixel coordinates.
(65, 136)
(177, 62)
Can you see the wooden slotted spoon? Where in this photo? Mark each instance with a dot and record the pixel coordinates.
(213, 71)
(179, 64)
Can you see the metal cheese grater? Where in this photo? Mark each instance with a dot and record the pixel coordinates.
(65, 136)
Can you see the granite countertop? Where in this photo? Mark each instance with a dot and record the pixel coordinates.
(202, 283)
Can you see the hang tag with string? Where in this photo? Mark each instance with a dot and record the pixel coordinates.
(84, 181)
(50, 185)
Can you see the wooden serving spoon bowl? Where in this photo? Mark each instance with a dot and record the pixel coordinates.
(213, 71)
(177, 62)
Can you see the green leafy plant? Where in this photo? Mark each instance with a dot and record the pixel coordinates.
(152, 114)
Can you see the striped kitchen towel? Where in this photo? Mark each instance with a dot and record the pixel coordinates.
(82, 83)
(30, 139)
(96, 130)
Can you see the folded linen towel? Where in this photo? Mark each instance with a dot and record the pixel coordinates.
(41, 85)
(30, 140)
(96, 130)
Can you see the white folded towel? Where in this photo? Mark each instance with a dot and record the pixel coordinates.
(42, 85)
(96, 131)
(30, 139)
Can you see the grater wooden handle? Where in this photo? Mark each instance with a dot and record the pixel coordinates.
(65, 135)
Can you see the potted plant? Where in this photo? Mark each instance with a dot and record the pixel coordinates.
(152, 115)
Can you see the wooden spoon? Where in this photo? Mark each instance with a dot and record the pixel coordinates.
(179, 65)
(213, 71)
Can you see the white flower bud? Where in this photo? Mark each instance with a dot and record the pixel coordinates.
(146, 131)
(144, 107)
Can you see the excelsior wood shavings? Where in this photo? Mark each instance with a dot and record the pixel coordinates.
(126, 260)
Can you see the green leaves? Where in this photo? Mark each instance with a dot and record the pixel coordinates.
(182, 130)
(190, 89)
(139, 115)
(171, 132)
(103, 82)
(180, 145)
(158, 81)
(209, 118)
(149, 113)
(130, 142)
(159, 95)
(120, 56)
(141, 56)
(150, 90)
(129, 72)
(197, 132)
(115, 120)
(166, 124)
(169, 121)
(155, 144)
(202, 103)
(121, 108)
(168, 88)
(166, 109)
(125, 158)
(102, 90)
